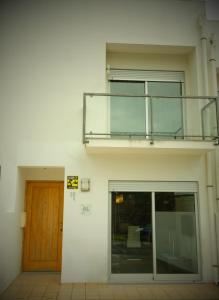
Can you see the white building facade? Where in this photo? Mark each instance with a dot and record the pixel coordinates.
(110, 108)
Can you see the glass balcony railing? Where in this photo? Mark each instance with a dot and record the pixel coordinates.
(137, 117)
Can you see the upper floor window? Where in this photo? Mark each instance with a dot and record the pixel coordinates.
(139, 116)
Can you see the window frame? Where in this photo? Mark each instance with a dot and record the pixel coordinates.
(132, 75)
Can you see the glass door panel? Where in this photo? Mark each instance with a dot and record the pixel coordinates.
(132, 250)
(127, 114)
(166, 118)
(154, 236)
(176, 236)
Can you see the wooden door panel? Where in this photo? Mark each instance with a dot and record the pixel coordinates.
(43, 234)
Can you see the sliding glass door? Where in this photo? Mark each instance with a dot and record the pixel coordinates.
(161, 117)
(176, 233)
(131, 233)
(165, 114)
(127, 114)
(154, 233)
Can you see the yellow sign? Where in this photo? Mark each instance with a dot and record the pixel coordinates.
(72, 182)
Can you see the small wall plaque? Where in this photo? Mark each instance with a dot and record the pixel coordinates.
(86, 209)
(72, 182)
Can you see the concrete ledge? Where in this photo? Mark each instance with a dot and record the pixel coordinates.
(147, 147)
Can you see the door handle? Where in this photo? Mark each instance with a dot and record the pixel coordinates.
(61, 227)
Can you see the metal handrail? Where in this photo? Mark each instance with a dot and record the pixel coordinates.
(144, 135)
(153, 96)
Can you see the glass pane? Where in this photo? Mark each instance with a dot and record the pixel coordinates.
(209, 120)
(131, 233)
(166, 112)
(176, 243)
(127, 114)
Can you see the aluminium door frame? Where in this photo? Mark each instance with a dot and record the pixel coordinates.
(153, 277)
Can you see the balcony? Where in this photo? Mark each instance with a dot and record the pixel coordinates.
(139, 123)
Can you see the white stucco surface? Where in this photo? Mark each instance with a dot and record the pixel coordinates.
(51, 53)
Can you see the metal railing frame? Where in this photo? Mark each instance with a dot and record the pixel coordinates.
(151, 136)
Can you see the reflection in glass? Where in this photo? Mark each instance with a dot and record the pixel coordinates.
(209, 120)
(131, 233)
(176, 246)
(166, 113)
(127, 114)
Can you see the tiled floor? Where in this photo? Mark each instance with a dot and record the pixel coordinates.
(42, 286)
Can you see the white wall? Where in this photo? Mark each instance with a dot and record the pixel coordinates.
(10, 231)
(51, 52)
(93, 229)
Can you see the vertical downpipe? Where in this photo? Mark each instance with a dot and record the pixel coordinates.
(213, 89)
(212, 64)
(204, 58)
(210, 165)
(204, 62)
(84, 120)
(209, 157)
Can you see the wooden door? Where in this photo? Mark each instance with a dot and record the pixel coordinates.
(42, 244)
